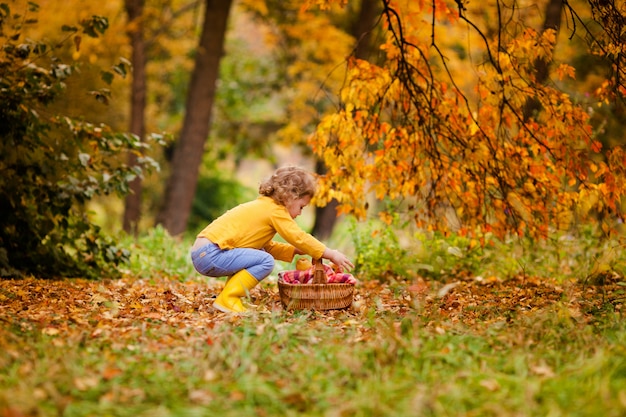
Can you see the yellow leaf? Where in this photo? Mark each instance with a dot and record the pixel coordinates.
(51, 331)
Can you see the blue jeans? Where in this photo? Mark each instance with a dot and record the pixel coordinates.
(212, 261)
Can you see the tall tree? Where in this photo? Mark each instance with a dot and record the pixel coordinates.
(134, 10)
(188, 150)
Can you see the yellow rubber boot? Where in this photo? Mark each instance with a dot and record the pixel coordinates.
(229, 300)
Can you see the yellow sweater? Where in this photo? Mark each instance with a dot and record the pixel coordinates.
(255, 223)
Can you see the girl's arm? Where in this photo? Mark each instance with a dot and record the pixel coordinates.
(338, 259)
(334, 256)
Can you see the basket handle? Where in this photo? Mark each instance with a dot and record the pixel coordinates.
(319, 275)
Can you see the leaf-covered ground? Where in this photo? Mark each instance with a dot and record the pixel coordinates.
(76, 342)
(114, 308)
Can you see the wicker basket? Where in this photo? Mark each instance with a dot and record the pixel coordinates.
(316, 296)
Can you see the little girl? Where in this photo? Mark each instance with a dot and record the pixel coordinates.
(239, 243)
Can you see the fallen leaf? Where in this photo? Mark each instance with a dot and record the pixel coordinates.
(446, 289)
(51, 331)
(542, 370)
(110, 373)
(490, 384)
(86, 382)
(202, 397)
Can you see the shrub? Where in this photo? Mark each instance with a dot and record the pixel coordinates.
(50, 164)
(378, 253)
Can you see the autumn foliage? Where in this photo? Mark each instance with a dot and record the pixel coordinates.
(466, 159)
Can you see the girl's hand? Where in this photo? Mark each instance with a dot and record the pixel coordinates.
(338, 259)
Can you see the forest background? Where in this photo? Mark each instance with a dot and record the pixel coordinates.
(476, 162)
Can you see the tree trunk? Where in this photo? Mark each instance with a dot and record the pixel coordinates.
(326, 217)
(134, 9)
(363, 30)
(187, 157)
(554, 9)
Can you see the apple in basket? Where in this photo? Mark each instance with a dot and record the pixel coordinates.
(303, 264)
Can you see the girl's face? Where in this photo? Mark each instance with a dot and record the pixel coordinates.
(295, 206)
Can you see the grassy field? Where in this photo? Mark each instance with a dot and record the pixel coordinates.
(149, 344)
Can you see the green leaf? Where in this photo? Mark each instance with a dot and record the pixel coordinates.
(67, 28)
(120, 69)
(107, 77)
(95, 26)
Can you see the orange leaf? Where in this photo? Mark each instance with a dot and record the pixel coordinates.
(596, 146)
(110, 373)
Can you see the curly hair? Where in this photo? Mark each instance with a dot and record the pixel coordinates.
(289, 183)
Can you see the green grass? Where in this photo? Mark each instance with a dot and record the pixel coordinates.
(119, 348)
(278, 364)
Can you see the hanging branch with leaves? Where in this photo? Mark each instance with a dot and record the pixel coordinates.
(459, 159)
